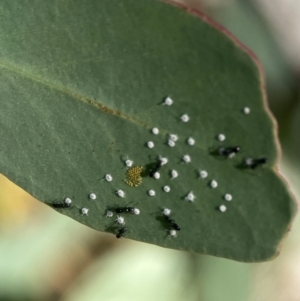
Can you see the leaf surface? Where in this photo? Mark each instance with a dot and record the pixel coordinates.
(82, 85)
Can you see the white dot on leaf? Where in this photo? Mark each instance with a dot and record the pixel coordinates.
(151, 192)
(150, 144)
(213, 184)
(222, 208)
(155, 131)
(167, 188)
(185, 118)
(228, 197)
(168, 101)
(221, 137)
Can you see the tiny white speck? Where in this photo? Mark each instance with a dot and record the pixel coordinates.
(92, 196)
(128, 163)
(221, 137)
(84, 211)
(228, 197)
(246, 110)
(109, 213)
(136, 211)
(191, 141)
(68, 201)
(213, 184)
(163, 160)
(150, 144)
(168, 101)
(173, 233)
(166, 211)
(203, 174)
(156, 175)
(222, 208)
(166, 188)
(249, 161)
(174, 173)
(185, 118)
(186, 159)
(120, 220)
(120, 193)
(108, 178)
(190, 197)
(155, 131)
(171, 143)
(173, 137)
(151, 192)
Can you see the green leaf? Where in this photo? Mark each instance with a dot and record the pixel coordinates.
(82, 85)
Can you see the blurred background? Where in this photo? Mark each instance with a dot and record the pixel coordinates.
(46, 256)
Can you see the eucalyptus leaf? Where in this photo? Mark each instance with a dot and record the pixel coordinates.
(83, 83)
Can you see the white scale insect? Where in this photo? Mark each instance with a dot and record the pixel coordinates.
(166, 211)
(186, 159)
(84, 211)
(171, 143)
(203, 174)
(120, 220)
(221, 137)
(191, 141)
(120, 193)
(128, 163)
(228, 197)
(173, 233)
(168, 101)
(150, 144)
(163, 160)
(156, 175)
(246, 110)
(174, 174)
(190, 197)
(155, 131)
(222, 208)
(109, 213)
(108, 177)
(68, 201)
(151, 192)
(213, 184)
(92, 196)
(166, 188)
(185, 118)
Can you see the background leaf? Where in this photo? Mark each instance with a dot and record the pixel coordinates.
(82, 86)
